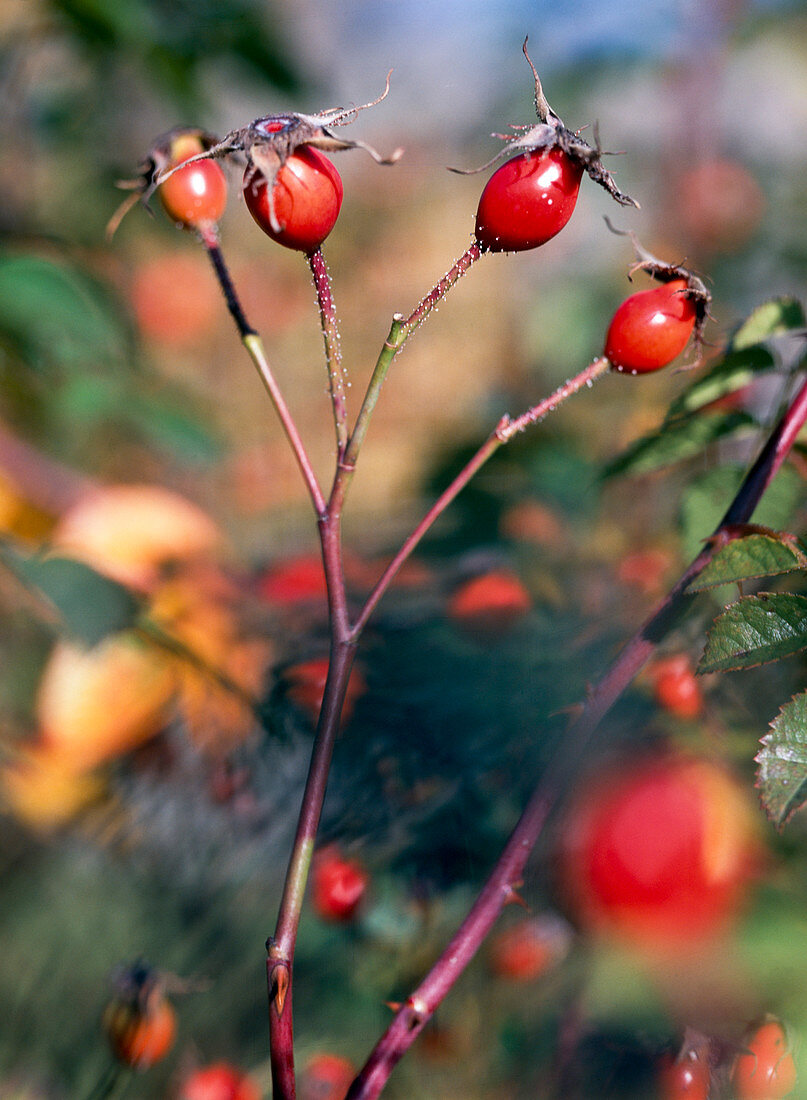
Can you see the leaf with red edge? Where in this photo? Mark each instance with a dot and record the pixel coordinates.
(782, 760)
(757, 554)
(756, 630)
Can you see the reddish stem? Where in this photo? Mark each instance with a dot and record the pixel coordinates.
(333, 351)
(280, 947)
(498, 890)
(439, 291)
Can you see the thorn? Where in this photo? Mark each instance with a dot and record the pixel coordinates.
(394, 1006)
(280, 987)
(512, 897)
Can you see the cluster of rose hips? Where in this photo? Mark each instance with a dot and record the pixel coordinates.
(294, 193)
(659, 854)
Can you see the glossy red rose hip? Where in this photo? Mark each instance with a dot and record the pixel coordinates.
(527, 201)
(338, 885)
(651, 328)
(687, 1078)
(197, 195)
(219, 1081)
(767, 1070)
(307, 199)
(659, 852)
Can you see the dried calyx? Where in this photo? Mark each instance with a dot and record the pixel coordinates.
(267, 143)
(696, 290)
(550, 133)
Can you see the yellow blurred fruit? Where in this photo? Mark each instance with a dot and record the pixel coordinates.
(129, 531)
(17, 516)
(221, 677)
(43, 789)
(95, 704)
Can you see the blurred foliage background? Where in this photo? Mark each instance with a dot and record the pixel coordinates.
(118, 364)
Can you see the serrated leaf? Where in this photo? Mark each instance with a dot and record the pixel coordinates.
(754, 555)
(756, 630)
(770, 319)
(676, 441)
(90, 605)
(735, 370)
(782, 771)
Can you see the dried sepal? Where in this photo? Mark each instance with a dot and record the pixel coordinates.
(268, 142)
(550, 133)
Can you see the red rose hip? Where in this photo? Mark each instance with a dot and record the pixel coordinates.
(338, 886)
(527, 201)
(307, 198)
(651, 328)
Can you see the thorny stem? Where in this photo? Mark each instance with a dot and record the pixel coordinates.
(333, 351)
(255, 349)
(502, 433)
(498, 890)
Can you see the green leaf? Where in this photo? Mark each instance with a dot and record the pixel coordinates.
(676, 441)
(54, 317)
(90, 605)
(734, 371)
(705, 501)
(754, 555)
(756, 630)
(782, 771)
(772, 318)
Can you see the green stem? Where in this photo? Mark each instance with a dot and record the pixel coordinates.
(400, 331)
(255, 349)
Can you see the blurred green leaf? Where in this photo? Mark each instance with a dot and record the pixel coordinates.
(91, 605)
(176, 42)
(158, 418)
(675, 441)
(756, 630)
(173, 428)
(755, 555)
(773, 318)
(704, 503)
(733, 372)
(782, 772)
(57, 318)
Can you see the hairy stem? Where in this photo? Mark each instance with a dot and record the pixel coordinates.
(333, 351)
(498, 889)
(440, 289)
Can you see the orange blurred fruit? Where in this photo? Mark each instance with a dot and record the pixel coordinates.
(93, 705)
(129, 532)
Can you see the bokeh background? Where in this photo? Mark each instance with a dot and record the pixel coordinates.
(118, 364)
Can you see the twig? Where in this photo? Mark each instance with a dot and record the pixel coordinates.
(497, 891)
